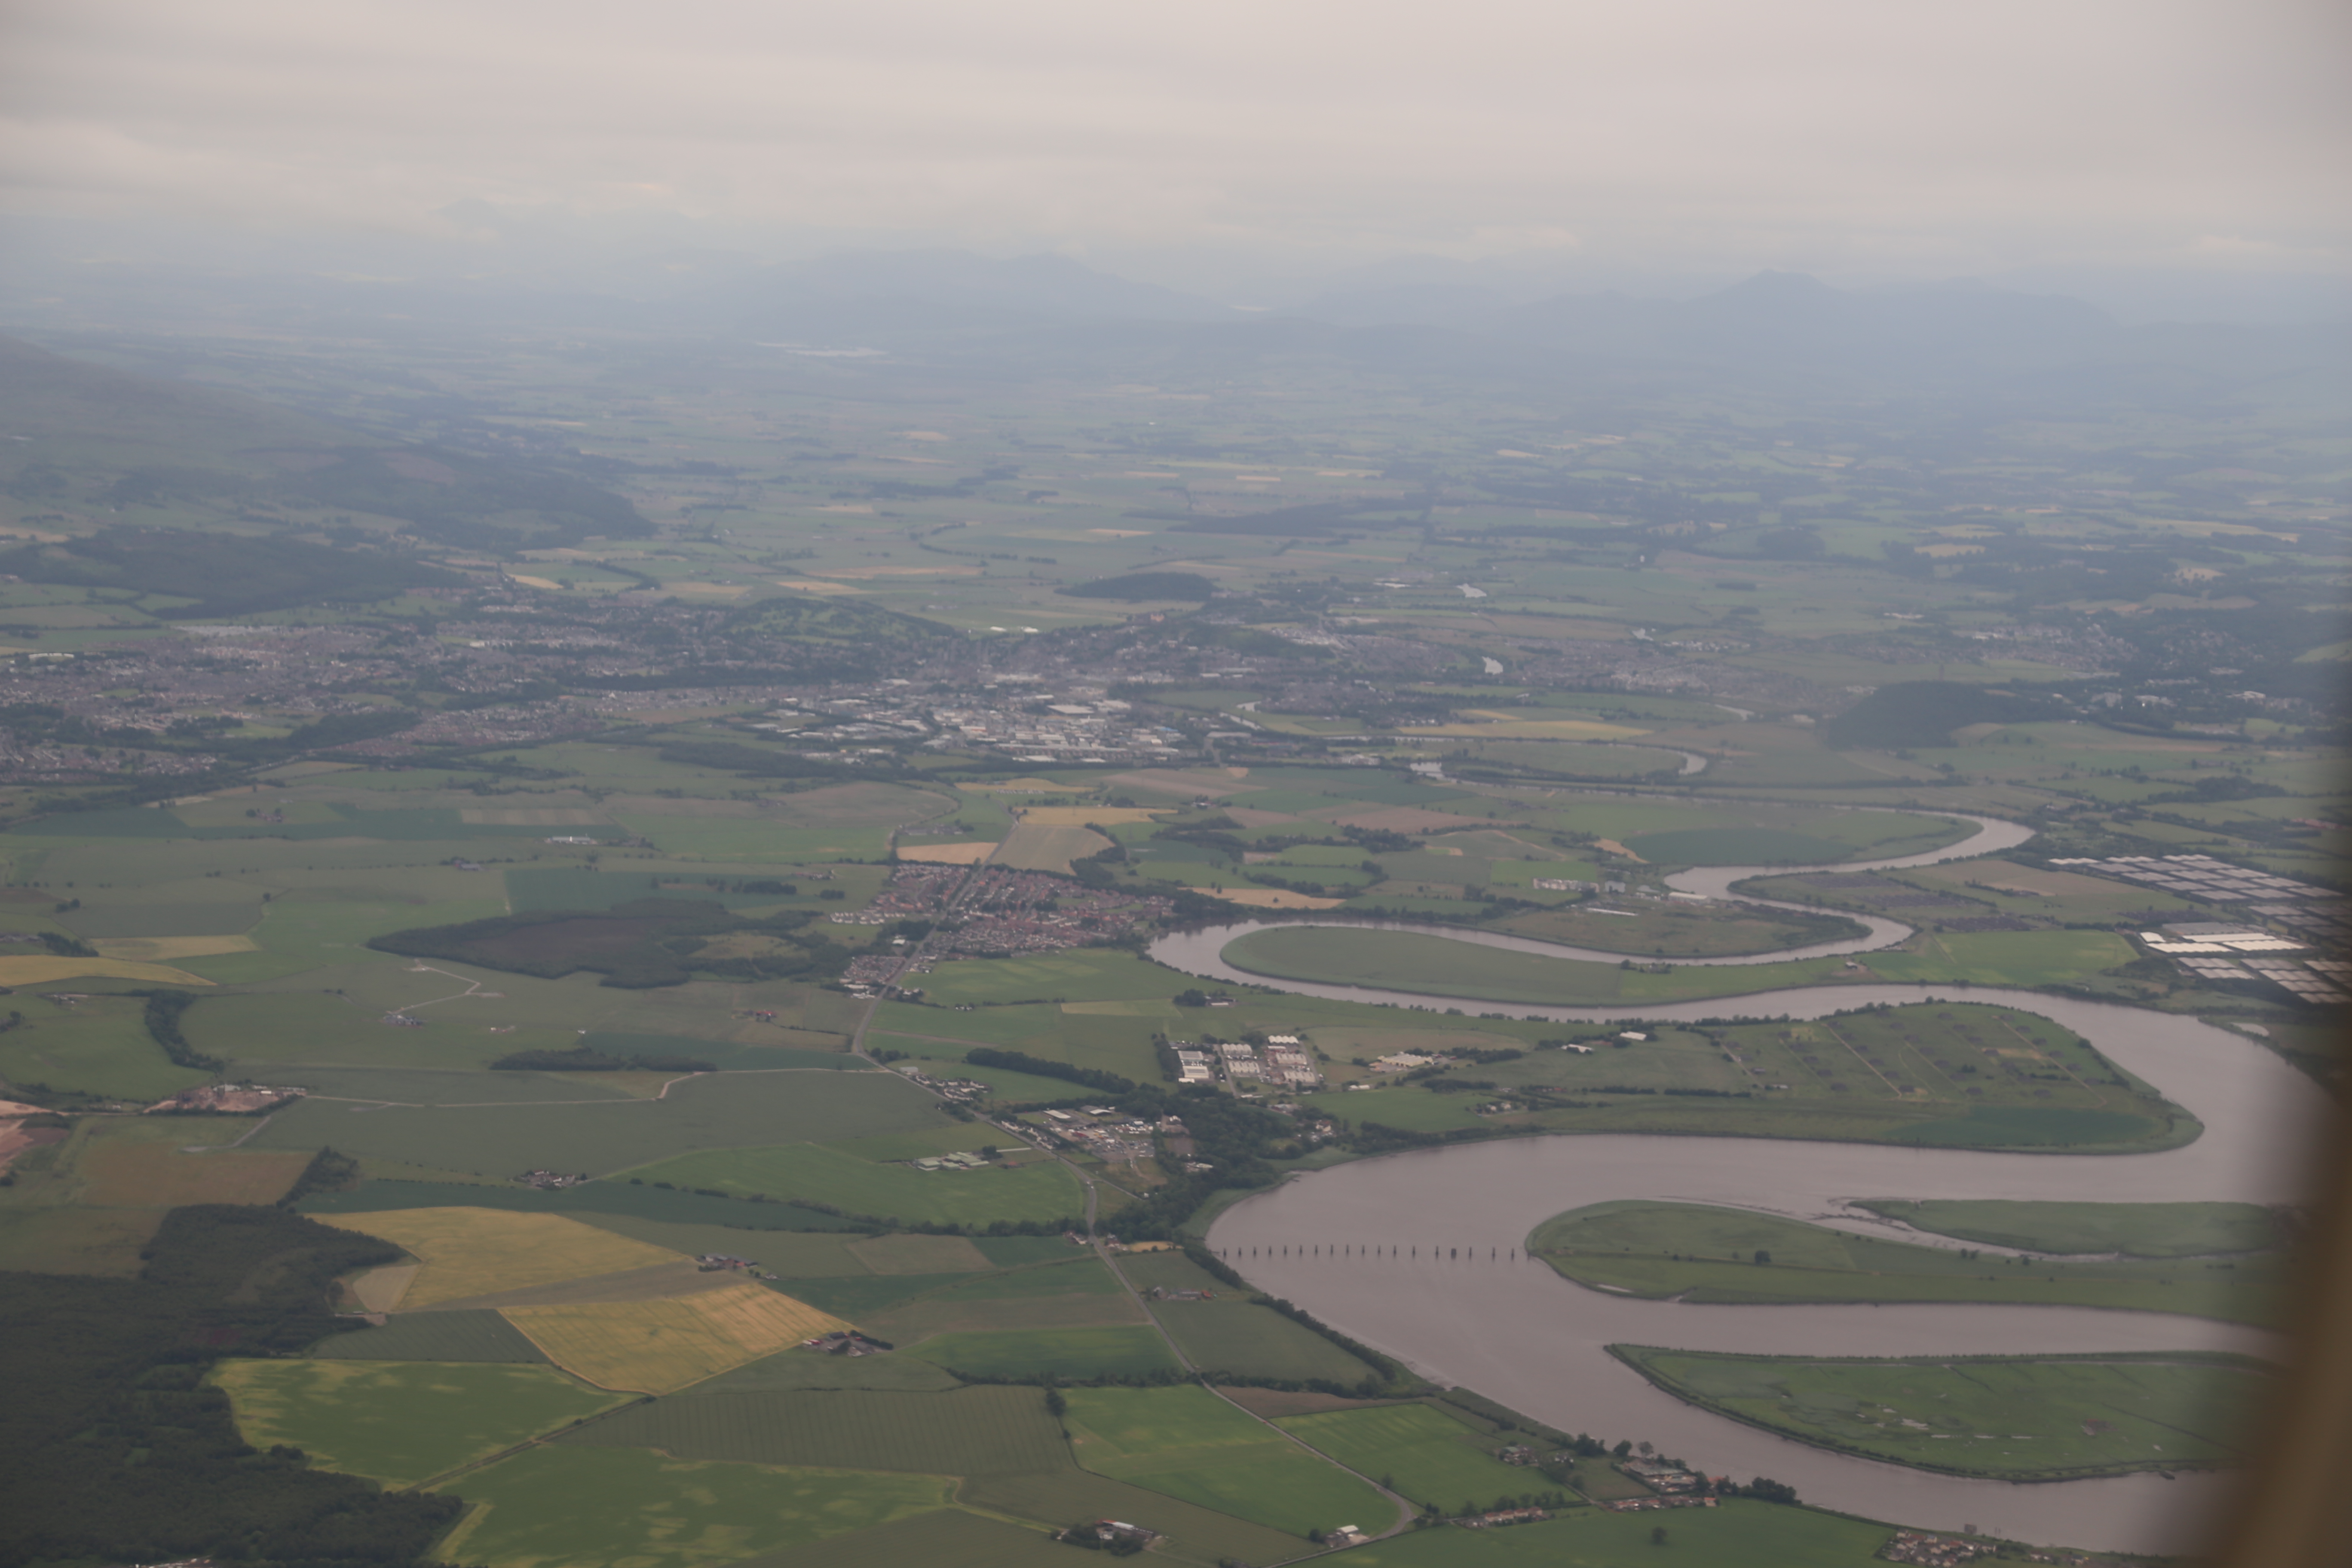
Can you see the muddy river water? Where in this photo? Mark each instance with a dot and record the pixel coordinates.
(1512, 1329)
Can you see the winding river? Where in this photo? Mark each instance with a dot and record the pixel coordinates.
(1513, 1329)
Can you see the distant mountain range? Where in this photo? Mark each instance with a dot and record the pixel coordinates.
(1049, 314)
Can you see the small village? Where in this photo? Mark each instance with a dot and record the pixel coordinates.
(1929, 1551)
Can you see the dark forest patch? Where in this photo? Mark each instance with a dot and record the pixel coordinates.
(636, 945)
(225, 576)
(477, 502)
(112, 1449)
(1925, 713)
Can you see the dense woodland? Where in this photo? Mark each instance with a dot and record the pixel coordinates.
(110, 1448)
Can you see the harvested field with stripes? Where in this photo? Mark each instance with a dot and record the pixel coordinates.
(468, 1252)
(656, 1347)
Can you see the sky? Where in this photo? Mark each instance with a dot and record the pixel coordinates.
(1859, 138)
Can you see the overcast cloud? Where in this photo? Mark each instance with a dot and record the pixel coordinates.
(1885, 136)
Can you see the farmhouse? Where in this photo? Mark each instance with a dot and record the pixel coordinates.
(1502, 1517)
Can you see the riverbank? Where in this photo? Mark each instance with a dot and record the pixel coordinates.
(1465, 1307)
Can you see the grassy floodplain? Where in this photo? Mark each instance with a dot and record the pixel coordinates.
(1438, 967)
(1232, 1334)
(1652, 930)
(1415, 1449)
(1951, 1074)
(2014, 1418)
(1749, 1534)
(2135, 1230)
(1698, 1253)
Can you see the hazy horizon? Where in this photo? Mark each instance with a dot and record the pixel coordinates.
(2166, 160)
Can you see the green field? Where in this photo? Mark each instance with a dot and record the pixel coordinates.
(480, 1335)
(1190, 1444)
(1006, 1086)
(1111, 1035)
(1232, 1334)
(314, 1028)
(861, 1297)
(589, 1507)
(1733, 1534)
(1073, 1293)
(595, 1201)
(2138, 1230)
(1413, 1110)
(1054, 1353)
(2015, 1418)
(1080, 974)
(970, 1432)
(946, 1538)
(1701, 1254)
(1036, 1190)
(99, 1046)
(399, 1423)
(76, 1240)
(1417, 1450)
(794, 1255)
(721, 1111)
(1199, 1537)
(800, 1368)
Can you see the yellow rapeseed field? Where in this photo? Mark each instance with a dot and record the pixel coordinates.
(1271, 899)
(158, 948)
(474, 1252)
(959, 854)
(658, 1347)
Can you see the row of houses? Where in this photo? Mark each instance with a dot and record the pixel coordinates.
(1933, 1550)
